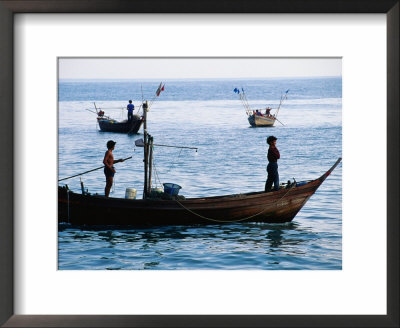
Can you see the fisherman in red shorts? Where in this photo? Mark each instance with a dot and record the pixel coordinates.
(109, 169)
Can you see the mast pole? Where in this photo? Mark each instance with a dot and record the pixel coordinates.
(145, 160)
(283, 97)
(280, 103)
(150, 163)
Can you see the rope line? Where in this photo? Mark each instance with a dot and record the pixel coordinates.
(232, 221)
(156, 175)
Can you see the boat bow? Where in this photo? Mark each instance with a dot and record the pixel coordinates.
(327, 173)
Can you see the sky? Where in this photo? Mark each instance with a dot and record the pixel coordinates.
(196, 68)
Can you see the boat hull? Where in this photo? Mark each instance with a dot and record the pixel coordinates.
(261, 121)
(272, 207)
(109, 125)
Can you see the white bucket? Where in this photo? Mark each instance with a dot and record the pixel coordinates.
(130, 193)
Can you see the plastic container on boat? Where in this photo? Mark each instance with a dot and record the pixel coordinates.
(130, 193)
(171, 188)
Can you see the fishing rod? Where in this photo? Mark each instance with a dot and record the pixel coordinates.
(158, 91)
(279, 121)
(101, 108)
(243, 99)
(140, 143)
(245, 102)
(141, 88)
(97, 168)
(283, 97)
(121, 107)
(180, 147)
(107, 117)
(92, 111)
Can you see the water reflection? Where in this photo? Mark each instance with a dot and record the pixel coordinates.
(233, 246)
(242, 233)
(275, 237)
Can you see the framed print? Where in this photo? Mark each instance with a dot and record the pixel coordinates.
(40, 37)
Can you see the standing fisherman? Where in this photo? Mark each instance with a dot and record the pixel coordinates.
(130, 109)
(272, 168)
(109, 169)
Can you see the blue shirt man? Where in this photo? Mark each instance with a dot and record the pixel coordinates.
(130, 109)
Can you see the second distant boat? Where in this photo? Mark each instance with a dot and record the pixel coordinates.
(259, 117)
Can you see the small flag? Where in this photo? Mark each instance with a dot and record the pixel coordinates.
(287, 90)
(160, 88)
(236, 90)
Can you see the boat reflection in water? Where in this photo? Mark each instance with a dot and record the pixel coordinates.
(217, 246)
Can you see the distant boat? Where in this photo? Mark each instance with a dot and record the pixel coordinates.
(260, 117)
(110, 125)
(261, 120)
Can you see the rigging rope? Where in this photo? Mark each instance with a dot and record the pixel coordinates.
(169, 169)
(173, 163)
(232, 221)
(156, 176)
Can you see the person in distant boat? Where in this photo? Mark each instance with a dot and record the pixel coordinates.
(130, 109)
(258, 113)
(109, 169)
(268, 111)
(272, 167)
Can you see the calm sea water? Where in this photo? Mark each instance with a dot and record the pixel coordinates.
(231, 158)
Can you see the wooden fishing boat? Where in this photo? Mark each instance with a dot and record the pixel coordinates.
(107, 124)
(256, 117)
(272, 207)
(261, 120)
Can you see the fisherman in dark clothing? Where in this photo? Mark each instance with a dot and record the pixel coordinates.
(272, 168)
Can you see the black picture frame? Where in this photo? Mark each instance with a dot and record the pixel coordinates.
(10, 7)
